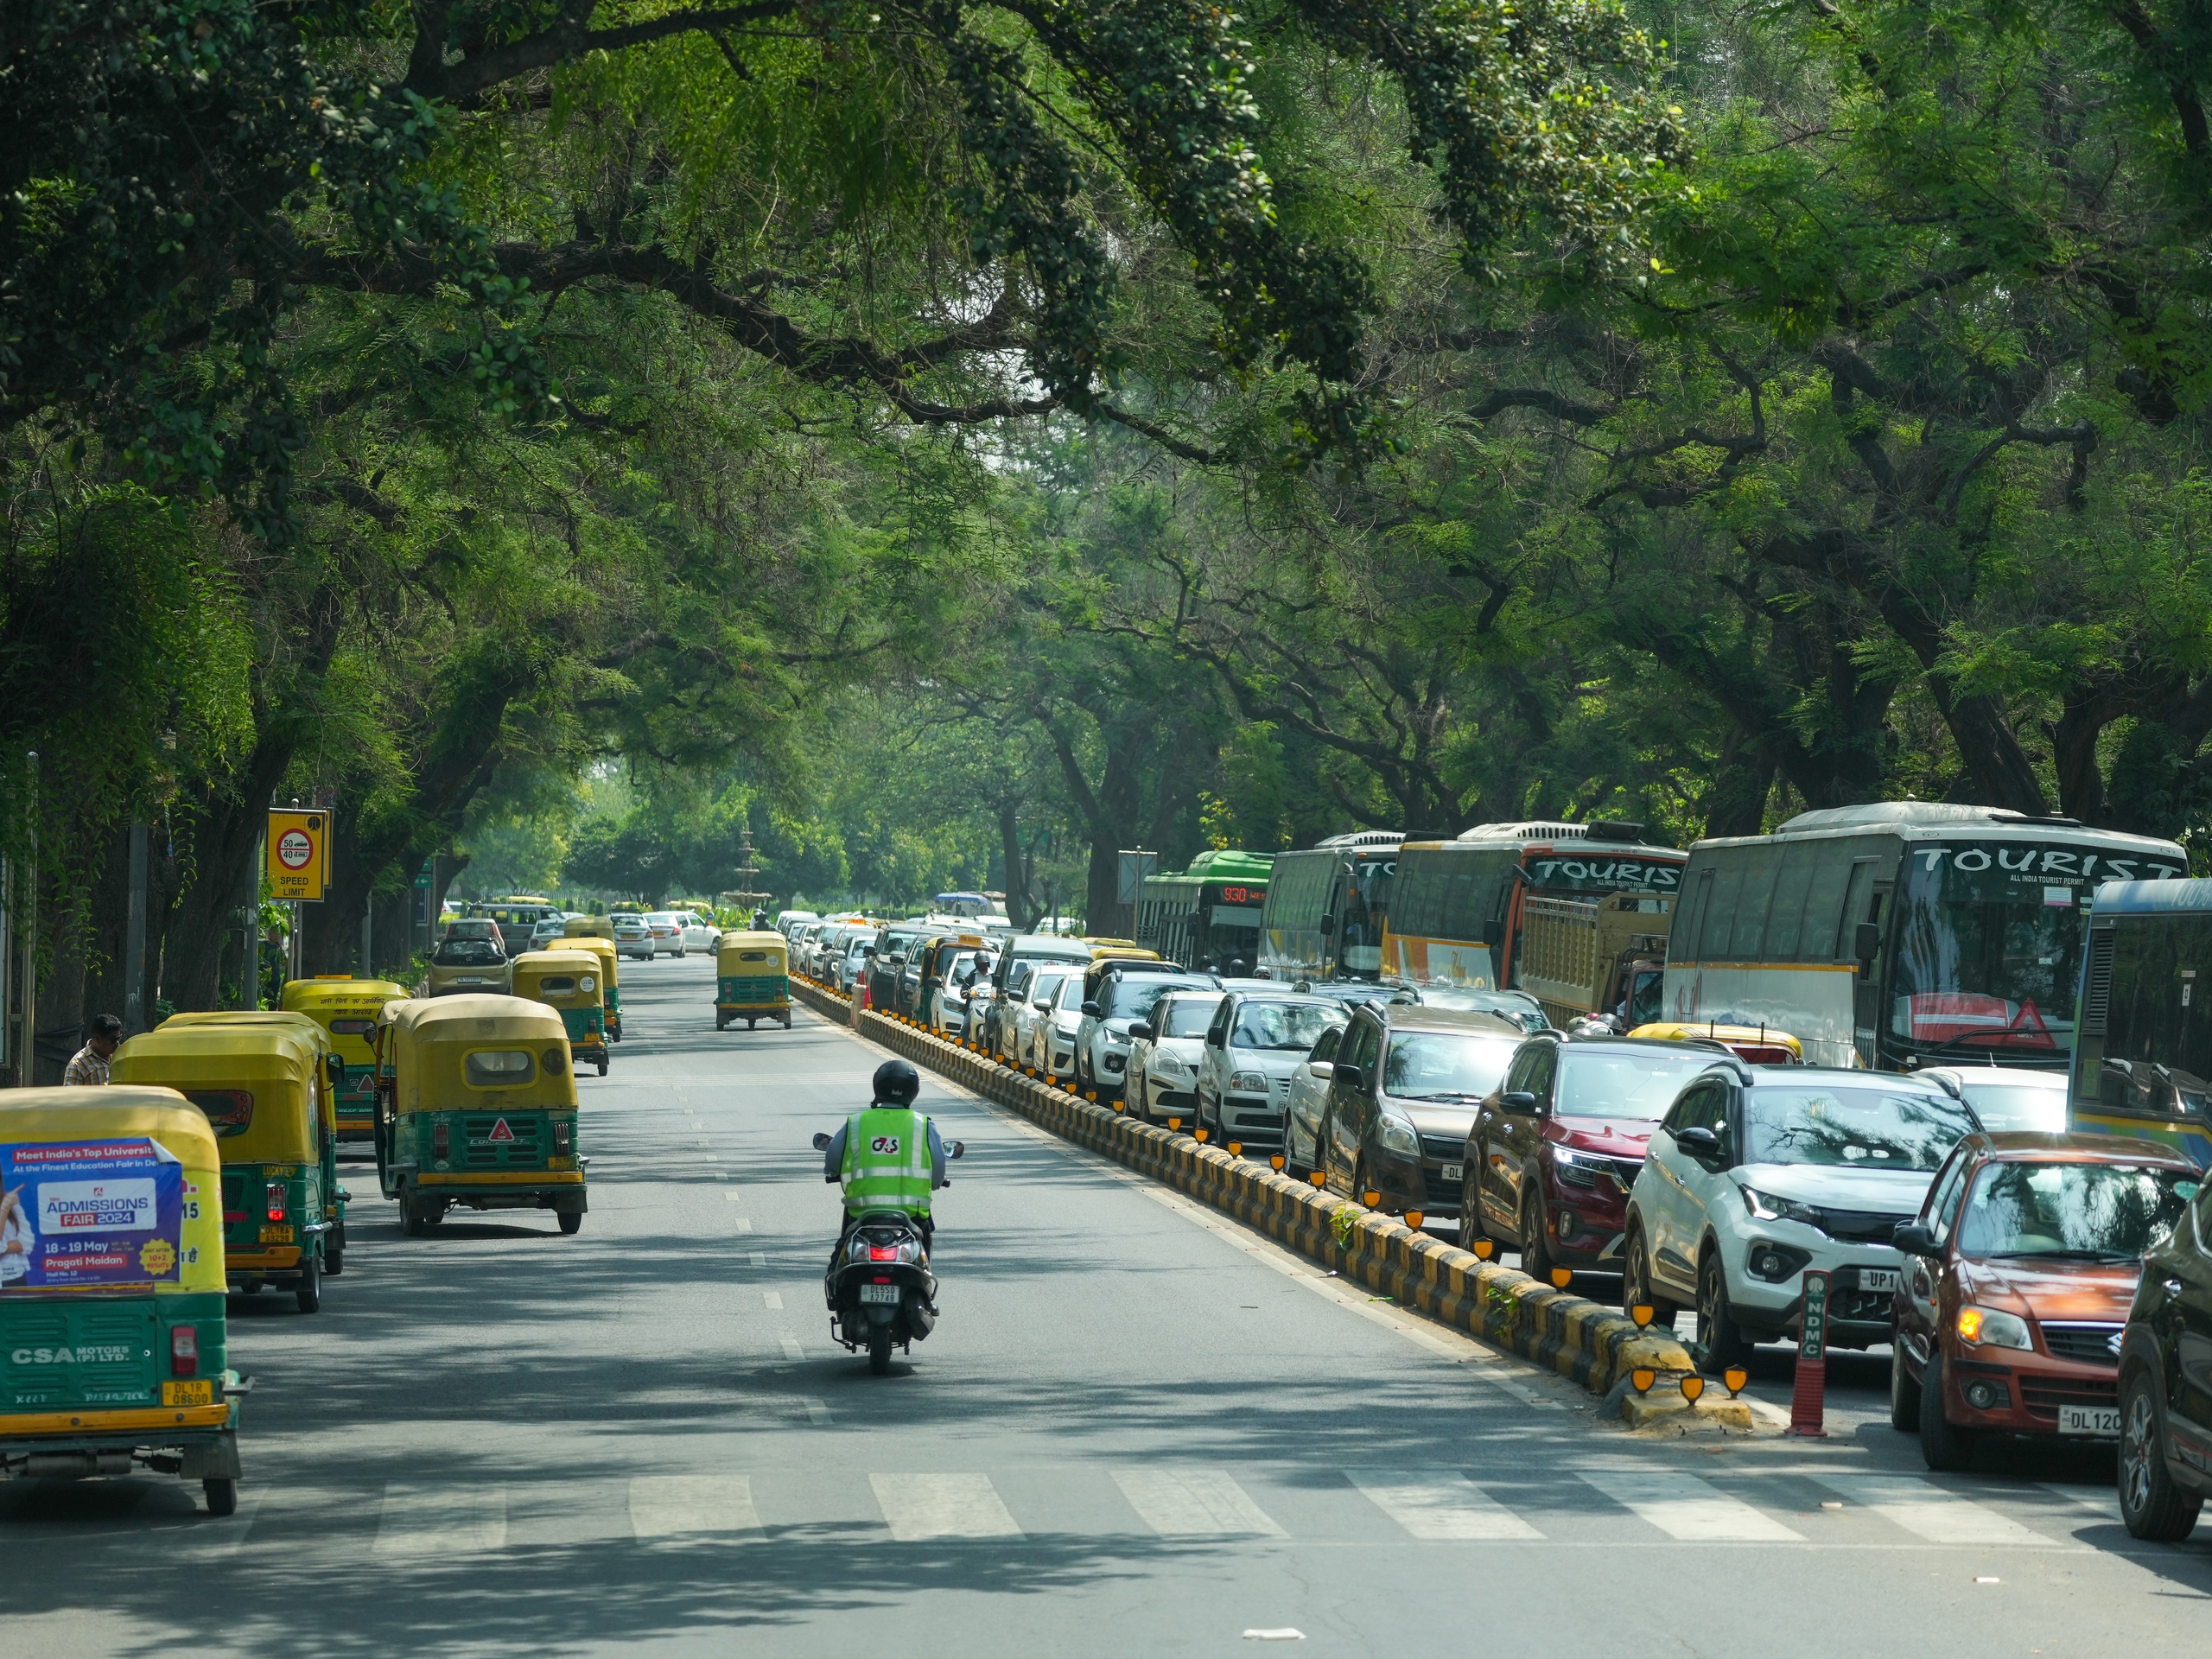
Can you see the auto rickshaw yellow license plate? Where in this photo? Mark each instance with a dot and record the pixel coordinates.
(277, 1235)
(200, 1392)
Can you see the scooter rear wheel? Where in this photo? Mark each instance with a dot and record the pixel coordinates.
(879, 1350)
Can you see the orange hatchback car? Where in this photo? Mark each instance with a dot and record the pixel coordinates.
(2019, 1271)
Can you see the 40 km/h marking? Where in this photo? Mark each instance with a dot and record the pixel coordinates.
(295, 849)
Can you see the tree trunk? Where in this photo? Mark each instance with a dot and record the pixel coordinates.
(1020, 910)
(60, 1013)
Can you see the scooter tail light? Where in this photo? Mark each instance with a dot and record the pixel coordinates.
(883, 1252)
(184, 1350)
(276, 1201)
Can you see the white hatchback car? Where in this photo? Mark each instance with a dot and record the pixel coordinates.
(1125, 993)
(1307, 1098)
(1164, 1049)
(698, 933)
(2005, 1097)
(667, 932)
(1759, 1173)
(1258, 1040)
(1054, 1032)
(1024, 1013)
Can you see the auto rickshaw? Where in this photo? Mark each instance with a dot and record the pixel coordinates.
(1758, 1044)
(265, 1088)
(113, 1316)
(568, 981)
(752, 982)
(347, 1009)
(602, 945)
(479, 1110)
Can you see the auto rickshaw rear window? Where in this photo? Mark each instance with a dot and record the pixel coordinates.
(752, 956)
(229, 1111)
(556, 982)
(500, 1068)
(352, 1027)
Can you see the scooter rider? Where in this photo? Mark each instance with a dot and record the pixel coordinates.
(888, 1157)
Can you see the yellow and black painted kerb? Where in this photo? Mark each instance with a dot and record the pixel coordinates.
(1571, 1335)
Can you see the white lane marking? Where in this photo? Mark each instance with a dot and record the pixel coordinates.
(416, 1518)
(1439, 1507)
(1193, 1503)
(735, 1198)
(774, 1299)
(816, 1411)
(1930, 1511)
(792, 1349)
(671, 1506)
(1684, 1507)
(2102, 1500)
(759, 1259)
(921, 1507)
(744, 1223)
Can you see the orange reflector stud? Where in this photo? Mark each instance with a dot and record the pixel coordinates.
(1175, 1123)
(1370, 1198)
(1120, 1106)
(1692, 1388)
(1642, 1313)
(1641, 1379)
(1562, 1277)
(1274, 1160)
(1236, 1148)
(1318, 1179)
(1735, 1377)
(1484, 1249)
(1199, 1136)
(1413, 1219)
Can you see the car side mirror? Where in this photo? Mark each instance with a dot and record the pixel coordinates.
(1090, 1011)
(1699, 1143)
(1044, 1006)
(1526, 1104)
(1350, 1075)
(1914, 1238)
(1140, 1029)
(336, 1066)
(867, 949)
(956, 1149)
(1866, 943)
(1324, 1070)
(821, 1140)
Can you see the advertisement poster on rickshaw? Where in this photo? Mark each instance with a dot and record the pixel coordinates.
(89, 1212)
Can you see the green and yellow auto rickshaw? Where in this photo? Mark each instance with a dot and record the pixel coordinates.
(751, 981)
(113, 1336)
(568, 981)
(480, 1111)
(347, 1009)
(265, 1090)
(602, 945)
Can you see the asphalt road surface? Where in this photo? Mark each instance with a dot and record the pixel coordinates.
(1136, 1430)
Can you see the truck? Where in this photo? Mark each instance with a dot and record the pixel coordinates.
(1584, 956)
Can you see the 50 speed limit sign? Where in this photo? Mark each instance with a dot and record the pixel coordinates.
(299, 844)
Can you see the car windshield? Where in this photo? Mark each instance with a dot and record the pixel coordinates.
(1444, 1064)
(2003, 1106)
(1853, 1128)
(1624, 1083)
(2115, 1210)
(467, 953)
(1043, 988)
(1186, 1016)
(1132, 999)
(1070, 996)
(1283, 1025)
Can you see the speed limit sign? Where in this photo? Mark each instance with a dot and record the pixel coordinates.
(298, 862)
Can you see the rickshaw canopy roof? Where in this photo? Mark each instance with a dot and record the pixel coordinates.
(275, 1066)
(533, 967)
(300, 994)
(433, 1035)
(118, 1110)
(733, 946)
(588, 927)
(291, 1018)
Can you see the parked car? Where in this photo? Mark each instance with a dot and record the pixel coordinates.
(1517, 1005)
(1122, 994)
(1304, 1103)
(852, 964)
(1255, 1041)
(633, 935)
(1164, 1049)
(2003, 1098)
(2165, 1404)
(1403, 1091)
(1021, 1017)
(894, 942)
(1758, 1172)
(1557, 1146)
(469, 962)
(1055, 1030)
(2019, 1271)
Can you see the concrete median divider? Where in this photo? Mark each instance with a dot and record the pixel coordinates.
(1579, 1338)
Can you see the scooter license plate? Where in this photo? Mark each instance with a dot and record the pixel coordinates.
(880, 1294)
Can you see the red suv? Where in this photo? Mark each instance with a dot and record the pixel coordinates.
(2019, 1272)
(1556, 1147)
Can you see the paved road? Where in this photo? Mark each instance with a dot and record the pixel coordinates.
(1137, 1430)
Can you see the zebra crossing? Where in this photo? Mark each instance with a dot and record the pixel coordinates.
(1606, 1501)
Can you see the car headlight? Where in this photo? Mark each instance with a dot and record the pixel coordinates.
(1248, 1083)
(1991, 1327)
(1167, 1066)
(1768, 1207)
(1397, 1135)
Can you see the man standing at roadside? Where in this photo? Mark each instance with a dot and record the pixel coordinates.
(89, 1064)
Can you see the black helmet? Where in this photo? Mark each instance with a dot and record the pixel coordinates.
(897, 1083)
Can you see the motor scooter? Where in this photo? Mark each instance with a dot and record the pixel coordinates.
(880, 1290)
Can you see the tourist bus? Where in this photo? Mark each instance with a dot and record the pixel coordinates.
(1209, 914)
(2143, 1048)
(1327, 906)
(1459, 907)
(1898, 933)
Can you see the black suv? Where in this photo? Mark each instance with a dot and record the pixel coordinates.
(2165, 1381)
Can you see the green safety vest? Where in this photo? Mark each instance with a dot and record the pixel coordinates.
(887, 1160)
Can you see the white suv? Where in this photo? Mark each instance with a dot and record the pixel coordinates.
(1758, 1172)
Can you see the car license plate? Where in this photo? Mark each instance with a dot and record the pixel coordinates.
(1875, 1278)
(2101, 1421)
(202, 1393)
(1450, 1172)
(880, 1294)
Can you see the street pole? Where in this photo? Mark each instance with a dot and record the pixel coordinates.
(27, 937)
(249, 979)
(134, 938)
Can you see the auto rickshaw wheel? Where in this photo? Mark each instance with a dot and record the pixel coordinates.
(753, 1025)
(222, 1495)
(310, 1291)
(787, 1022)
(572, 1220)
(602, 1065)
(334, 1259)
(721, 1022)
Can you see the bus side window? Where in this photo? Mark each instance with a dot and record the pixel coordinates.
(1857, 900)
(1747, 939)
(1832, 870)
(1719, 920)
(1689, 916)
(1785, 926)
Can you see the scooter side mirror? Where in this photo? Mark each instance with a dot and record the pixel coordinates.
(957, 1148)
(821, 1140)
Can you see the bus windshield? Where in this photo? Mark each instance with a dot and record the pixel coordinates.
(1989, 945)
